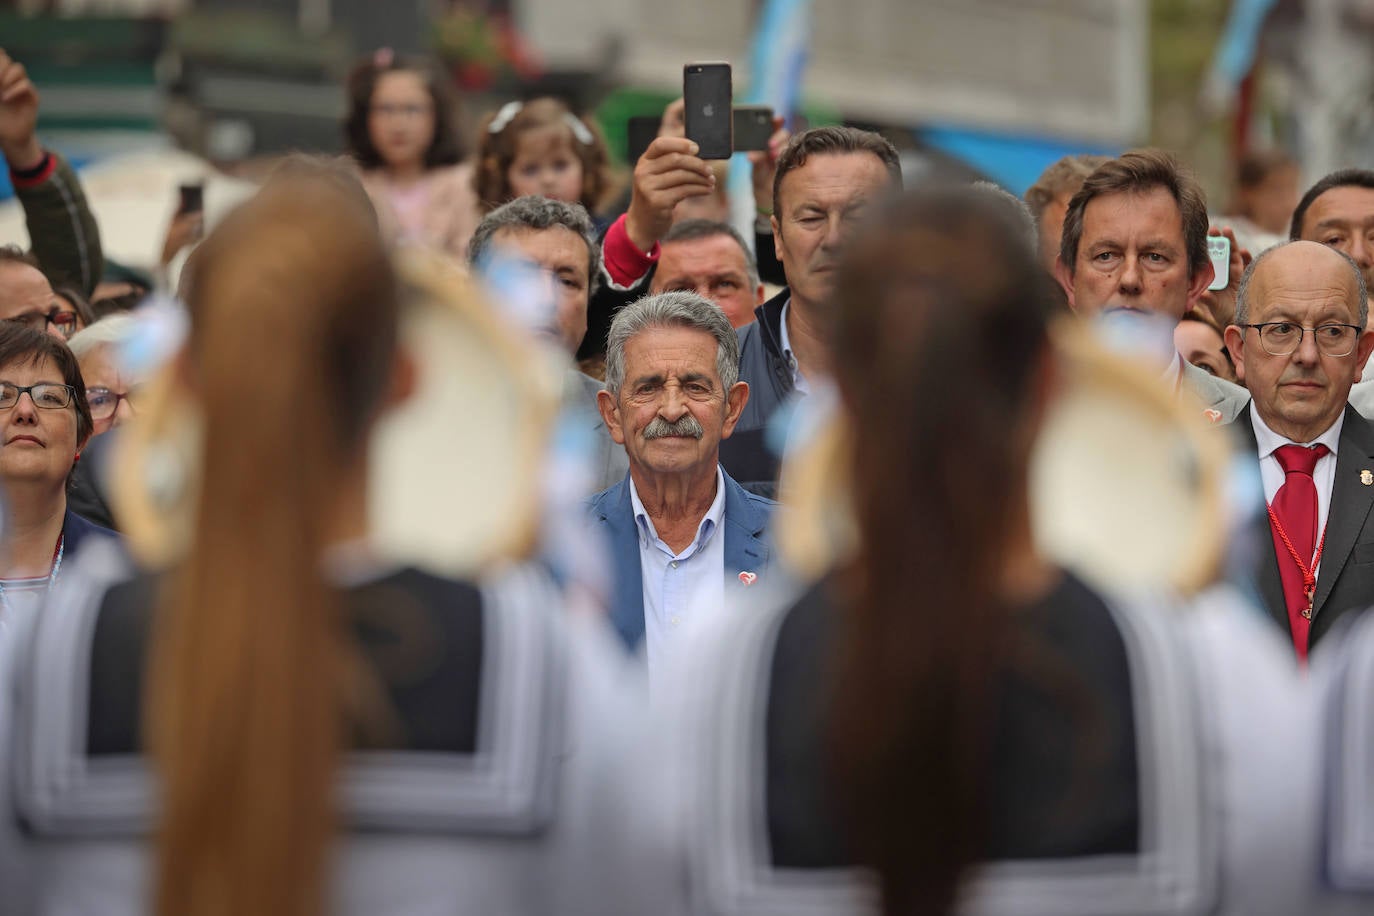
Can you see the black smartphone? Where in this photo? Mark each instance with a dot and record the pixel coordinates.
(753, 125)
(706, 94)
(640, 131)
(192, 198)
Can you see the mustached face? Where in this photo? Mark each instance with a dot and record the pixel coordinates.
(685, 428)
(672, 410)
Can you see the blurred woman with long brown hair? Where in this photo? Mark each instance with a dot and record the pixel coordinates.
(949, 721)
(281, 722)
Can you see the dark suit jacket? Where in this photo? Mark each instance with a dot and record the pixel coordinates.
(748, 547)
(1345, 581)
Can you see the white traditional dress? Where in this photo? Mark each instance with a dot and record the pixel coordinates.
(1204, 801)
(498, 791)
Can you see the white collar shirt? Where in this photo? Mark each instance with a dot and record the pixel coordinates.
(1323, 475)
(799, 382)
(679, 586)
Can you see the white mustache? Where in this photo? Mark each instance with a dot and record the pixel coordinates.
(686, 426)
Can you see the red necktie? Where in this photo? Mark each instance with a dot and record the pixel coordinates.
(1294, 513)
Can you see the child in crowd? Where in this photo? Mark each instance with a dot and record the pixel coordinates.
(402, 130)
(541, 147)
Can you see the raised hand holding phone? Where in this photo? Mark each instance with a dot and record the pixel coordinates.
(670, 171)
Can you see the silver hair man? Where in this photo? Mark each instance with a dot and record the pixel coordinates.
(669, 310)
(537, 214)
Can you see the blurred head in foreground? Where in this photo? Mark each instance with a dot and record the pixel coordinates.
(289, 359)
(941, 357)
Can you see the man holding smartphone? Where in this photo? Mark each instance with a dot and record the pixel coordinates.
(669, 178)
(1135, 238)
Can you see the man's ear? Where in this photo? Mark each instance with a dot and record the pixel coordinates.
(1065, 278)
(1198, 283)
(1235, 345)
(610, 415)
(735, 399)
(760, 294)
(1362, 350)
(777, 237)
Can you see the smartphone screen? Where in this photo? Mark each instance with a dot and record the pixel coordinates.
(1219, 251)
(753, 125)
(707, 93)
(192, 198)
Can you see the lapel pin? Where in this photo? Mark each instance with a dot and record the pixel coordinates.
(1213, 416)
(1367, 478)
(749, 578)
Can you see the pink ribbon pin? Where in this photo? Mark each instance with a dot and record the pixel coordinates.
(748, 578)
(1213, 416)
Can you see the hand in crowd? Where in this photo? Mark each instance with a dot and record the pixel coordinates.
(668, 173)
(765, 166)
(1222, 302)
(18, 115)
(184, 229)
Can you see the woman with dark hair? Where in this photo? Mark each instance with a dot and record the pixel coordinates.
(402, 130)
(280, 721)
(972, 724)
(44, 424)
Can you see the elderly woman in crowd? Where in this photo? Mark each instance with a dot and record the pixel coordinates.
(109, 393)
(44, 424)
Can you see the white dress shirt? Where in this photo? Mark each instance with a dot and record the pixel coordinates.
(1323, 475)
(799, 382)
(679, 586)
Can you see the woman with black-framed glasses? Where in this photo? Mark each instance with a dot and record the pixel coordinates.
(44, 424)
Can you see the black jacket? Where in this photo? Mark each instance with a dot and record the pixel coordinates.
(746, 455)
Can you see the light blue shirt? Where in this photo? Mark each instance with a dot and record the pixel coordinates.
(799, 381)
(679, 586)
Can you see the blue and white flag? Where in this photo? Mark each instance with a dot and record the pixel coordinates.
(777, 65)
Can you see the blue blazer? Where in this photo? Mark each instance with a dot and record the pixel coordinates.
(75, 531)
(748, 547)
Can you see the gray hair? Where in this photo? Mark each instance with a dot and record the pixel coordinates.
(112, 329)
(678, 309)
(690, 230)
(1018, 211)
(1243, 295)
(532, 213)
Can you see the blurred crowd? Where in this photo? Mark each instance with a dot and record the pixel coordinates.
(448, 528)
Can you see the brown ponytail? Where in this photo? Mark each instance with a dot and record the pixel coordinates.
(293, 329)
(939, 327)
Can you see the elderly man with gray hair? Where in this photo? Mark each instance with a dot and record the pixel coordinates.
(680, 528)
(1300, 341)
(558, 240)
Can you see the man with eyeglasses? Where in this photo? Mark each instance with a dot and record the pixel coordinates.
(27, 298)
(1299, 342)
